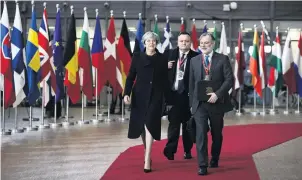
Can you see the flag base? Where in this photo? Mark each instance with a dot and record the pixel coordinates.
(123, 119)
(44, 126)
(6, 133)
(255, 113)
(100, 114)
(286, 112)
(27, 119)
(31, 128)
(68, 124)
(94, 121)
(83, 122)
(109, 120)
(297, 112)
(55, 125)
(15, 131)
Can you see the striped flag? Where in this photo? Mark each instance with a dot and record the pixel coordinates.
(6, 62)
(298, 66)
(275, 80)
(85, 60)
(254, 65)
(46, 72)
(72, 80)
(262, 63)
(18, 56)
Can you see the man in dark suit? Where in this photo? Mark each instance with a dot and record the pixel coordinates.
(214, 67)
(177, 97)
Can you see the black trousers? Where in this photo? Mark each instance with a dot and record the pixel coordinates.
(114, 101)
(50, 108)
(202, 115)
(178, 115)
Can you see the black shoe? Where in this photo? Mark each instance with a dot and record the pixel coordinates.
(147, 170)
(169, 156)
(214, 163)
(188, 155)
(203, 171)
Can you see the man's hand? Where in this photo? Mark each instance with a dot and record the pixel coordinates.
(213, 98)
(170, 64)
(127, 99)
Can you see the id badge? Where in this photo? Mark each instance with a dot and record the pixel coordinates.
(180, 75)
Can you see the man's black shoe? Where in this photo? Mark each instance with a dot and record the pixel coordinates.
(203, 171)
(188, 156)
(169, 156)
(214, 163)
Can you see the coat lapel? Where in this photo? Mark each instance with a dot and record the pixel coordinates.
(198, 66)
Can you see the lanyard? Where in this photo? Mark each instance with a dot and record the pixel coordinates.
(206, 68)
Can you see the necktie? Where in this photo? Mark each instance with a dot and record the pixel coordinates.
(182, 59)
(207, 60)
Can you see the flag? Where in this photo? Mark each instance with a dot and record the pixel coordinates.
(167, 34)
(216, 38)
(85, 60)
(45, 50)
(254, 65)
(205, 30)
(97, 55)
(6, 61)
(182, 26)
(57, 63)
(72, 80)
(139, 46)
(18, 57)
(262, 62)
(239, 63)
(110, 55)
(124, 56)
(194, 45)
(33, 61)
(156, 31)
(275, 80)
(298, 66)
(288, 67)
(223, 47)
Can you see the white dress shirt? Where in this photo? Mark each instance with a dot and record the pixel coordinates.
(177, 68)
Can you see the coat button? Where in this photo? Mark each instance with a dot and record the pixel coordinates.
(150, 82)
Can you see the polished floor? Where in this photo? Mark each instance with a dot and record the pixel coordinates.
(84, 152)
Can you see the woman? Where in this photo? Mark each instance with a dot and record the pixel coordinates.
(147, 81)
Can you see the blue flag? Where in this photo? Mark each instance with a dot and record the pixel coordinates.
(139, 46)
(58, 58)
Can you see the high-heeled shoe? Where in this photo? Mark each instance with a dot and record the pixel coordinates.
(148, 170)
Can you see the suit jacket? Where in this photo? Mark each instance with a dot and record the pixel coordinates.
(174, 56)
(221, 73)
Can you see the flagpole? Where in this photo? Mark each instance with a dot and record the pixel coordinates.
(55, 124)
(286, 111)
(3, 125)
(30, 127)
(16, 130)
(298, 109)
(263, 103)
(273, 111)
(255, 113)
(96, 86)
(239, 103)
(108, 103)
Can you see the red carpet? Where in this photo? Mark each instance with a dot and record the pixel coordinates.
(236, 161)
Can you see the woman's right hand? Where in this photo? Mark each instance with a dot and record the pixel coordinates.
(127, 99)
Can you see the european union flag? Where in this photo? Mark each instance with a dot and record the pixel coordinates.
(139, 46)
(58, 58)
